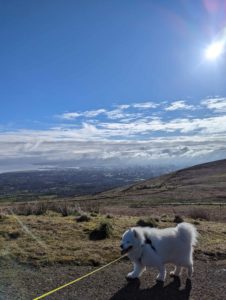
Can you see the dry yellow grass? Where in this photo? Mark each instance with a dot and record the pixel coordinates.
(51, 238)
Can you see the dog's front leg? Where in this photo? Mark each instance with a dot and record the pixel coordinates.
(176, 272)
(162, 273)
(138, 269)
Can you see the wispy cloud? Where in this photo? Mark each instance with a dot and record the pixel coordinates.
(69, 116)
(116, 113)
(145, 105)
(94, 113)
(179, 105)
(86, 114)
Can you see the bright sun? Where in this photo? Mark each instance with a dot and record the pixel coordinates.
(214, 50)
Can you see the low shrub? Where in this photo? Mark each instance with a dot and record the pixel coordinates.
(91, 207)
(149, 222)
(65, 208)
(39, 208)
(24, 210)
(199, 214)
(93, 214)
(13, 235)
(83, 218)
(109, 217)
(178, 219)
(102, 232)
(196, 223)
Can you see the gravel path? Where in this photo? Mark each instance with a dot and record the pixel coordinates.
(209, 282)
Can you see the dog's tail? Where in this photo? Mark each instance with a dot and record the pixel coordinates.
(188, 233)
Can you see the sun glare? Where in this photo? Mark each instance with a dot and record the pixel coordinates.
(214, 50)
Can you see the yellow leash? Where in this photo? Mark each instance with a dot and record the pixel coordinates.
(78, 279)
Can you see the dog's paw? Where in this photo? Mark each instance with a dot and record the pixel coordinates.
(131, 275)
(159, 281)
(173, 274)
(160, 278)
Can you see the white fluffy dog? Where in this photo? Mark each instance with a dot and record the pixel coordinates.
(152, 247)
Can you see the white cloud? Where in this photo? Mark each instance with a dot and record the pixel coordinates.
(93, 113)
(125, 111)
(69, 116)
(211, 125)
(179, 105)
(111, 114)
(123, 106)
(86, 114)
(117, 113)
(145, 105)
(215, 104)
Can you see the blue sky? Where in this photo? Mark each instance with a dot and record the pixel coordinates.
(108, 80)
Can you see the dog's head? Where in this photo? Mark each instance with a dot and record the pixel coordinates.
(131, 240)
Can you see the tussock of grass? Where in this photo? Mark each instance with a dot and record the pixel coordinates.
(83, 218)
(148, 222)
(14, 235)
(104, 231)
(178, 219)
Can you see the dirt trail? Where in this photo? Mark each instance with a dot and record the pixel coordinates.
(209, 282)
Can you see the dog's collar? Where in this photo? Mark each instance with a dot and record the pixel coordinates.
(149, 242)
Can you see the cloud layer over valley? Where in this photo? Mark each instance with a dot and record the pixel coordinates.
(177, 132)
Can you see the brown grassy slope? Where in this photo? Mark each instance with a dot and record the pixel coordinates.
(200, 183)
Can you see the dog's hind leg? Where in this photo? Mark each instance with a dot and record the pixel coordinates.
(176, 271)
(162, 273)
(137, 271)
(190, 271)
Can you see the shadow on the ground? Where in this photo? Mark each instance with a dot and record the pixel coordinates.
(171, 291)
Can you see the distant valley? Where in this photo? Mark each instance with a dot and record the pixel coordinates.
(204, 183)
(22, 186)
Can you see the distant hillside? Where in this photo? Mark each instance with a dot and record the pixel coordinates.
(30, 185)
(200, 183)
